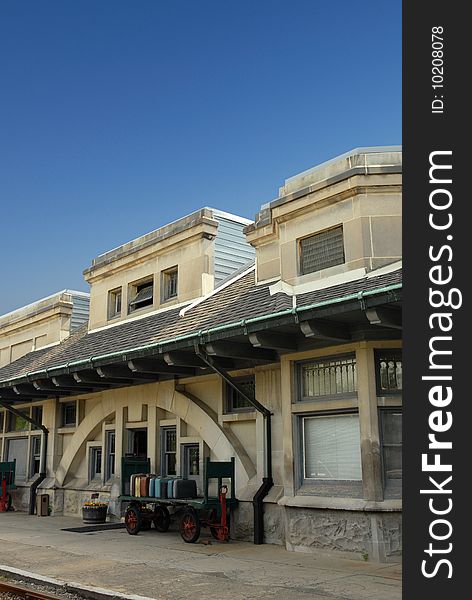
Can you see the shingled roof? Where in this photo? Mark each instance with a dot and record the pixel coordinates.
(240, 301)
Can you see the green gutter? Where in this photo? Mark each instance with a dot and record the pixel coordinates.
(199, 334)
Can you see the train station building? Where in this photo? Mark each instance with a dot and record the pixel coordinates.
(275, 341)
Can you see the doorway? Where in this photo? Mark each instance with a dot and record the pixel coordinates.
(137, 442)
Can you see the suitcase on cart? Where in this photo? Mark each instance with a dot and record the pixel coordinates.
(170, 487)
(184, 488)
(152, 483)
(144, 486)
(160, 487)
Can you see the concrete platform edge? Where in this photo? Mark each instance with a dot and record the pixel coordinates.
(86, 591)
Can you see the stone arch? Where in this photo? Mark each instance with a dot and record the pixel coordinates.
(99, 413)
(221, 441)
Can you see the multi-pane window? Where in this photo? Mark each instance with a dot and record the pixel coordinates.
(169, 450)
(327, 377)
(389, 371)
(322, 250)
(141, 295)
(391, 435)
(109, 454)
(331, 447)
(235, 402)
(69, 414)
(35, 453)
(114, 303)
(169, 281)
(95, 463)
(2, 420)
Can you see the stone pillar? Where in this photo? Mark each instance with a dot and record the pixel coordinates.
(152, 436)
(369, 424)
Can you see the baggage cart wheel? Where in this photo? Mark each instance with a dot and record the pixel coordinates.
(161, 519)
(133, 520)
(190, 526)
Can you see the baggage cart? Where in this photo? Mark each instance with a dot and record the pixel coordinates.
(210, 511)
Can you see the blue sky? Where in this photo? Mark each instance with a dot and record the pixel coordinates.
(118, 116)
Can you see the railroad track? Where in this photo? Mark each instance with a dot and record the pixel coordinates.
(24, 592)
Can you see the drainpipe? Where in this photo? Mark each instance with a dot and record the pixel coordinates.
(267, 480)
(42, 461)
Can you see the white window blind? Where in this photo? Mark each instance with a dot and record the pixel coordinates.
(332, 447)
(18, 449)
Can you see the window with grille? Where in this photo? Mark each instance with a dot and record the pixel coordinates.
(331, 447)
(389, 372)
(322, 250)
(141, 295)
(235, 402)
(169, 281)
(327, 377)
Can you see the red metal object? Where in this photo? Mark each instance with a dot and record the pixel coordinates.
(220, 531)
(5, 497)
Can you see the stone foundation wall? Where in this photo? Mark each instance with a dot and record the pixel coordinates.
(21, 498)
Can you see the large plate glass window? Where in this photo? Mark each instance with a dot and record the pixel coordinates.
(331, 447)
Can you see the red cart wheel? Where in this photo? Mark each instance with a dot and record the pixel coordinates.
(161, 519)
(190, 526)
(133, 520)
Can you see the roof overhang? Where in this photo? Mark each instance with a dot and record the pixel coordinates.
(371, 315)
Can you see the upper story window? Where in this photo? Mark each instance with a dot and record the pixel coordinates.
(17, 423)
(234, 401)
(169, 281)
(389, 372)
(322, 250)
(69, 414)
(327, 377)
(141, 295)
(114, 303)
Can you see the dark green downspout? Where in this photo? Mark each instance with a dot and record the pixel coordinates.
(42, 463)
(267, 480)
